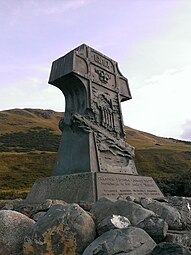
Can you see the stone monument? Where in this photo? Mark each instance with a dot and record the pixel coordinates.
(93, 159)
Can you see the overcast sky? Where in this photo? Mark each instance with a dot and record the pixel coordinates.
(150, 39)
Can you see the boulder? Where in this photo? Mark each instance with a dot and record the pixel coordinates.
(3, 203)
(38, 215)
(33, 208)
(112, 222)
(85, 205)
(183, 205)
(13, 227)
(131, 198)
(105, 207)
(166, 248)
(64, 229)
(155, 226)
(129, 241)
(180, 237)
(170, 214)
(10, 204)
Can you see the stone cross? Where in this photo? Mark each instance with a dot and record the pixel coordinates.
(93, 138)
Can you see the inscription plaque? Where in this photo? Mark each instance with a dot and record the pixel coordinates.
(115, 185)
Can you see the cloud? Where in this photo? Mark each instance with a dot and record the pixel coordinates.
(48, 7)
(186, 134)
(162, 105)
(31, 91)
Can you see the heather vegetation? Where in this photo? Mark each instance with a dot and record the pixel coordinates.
(18, 171)
(177, 185)
(29, 140)
(41, 139)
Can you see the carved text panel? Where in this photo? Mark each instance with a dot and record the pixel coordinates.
(119, 185)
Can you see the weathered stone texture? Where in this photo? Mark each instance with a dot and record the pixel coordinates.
(13, 227)
(135, 213)
(155, 226)
(64, 229)
(183, 205)
(170, 248)
(179, 237)
(130, 240)
(170, 214)
(112, 222)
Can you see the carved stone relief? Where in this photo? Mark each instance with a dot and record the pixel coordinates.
(93, 118)
(105, 105)
(103, 76)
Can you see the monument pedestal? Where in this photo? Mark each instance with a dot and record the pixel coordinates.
(89, 187)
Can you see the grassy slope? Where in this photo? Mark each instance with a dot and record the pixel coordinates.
(30, 138)
(21, 160)
(22, 120)
(158, 156)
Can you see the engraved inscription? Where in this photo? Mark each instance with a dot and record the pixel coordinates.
(100, 60)
(115, 185)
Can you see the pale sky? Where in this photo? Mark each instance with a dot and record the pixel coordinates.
(150, 40)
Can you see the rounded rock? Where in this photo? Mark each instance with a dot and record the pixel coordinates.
(129, 240)
(112, 222)
(64, 229)
(13, 227)
(170, 248)
(155, 226)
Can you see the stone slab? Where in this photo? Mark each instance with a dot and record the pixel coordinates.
(70, 188)
(115, 185)
(89, 187)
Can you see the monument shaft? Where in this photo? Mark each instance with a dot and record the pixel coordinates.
(93, 138)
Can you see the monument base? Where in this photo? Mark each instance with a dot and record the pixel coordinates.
(89, 187)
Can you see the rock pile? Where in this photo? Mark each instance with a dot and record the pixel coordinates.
(108, 227)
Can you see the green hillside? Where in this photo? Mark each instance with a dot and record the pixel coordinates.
(29, 140)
